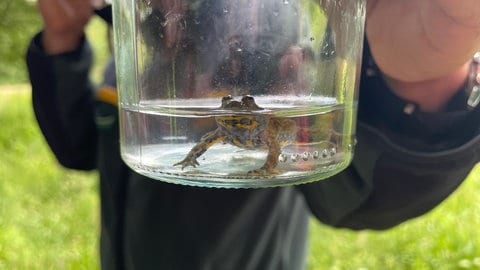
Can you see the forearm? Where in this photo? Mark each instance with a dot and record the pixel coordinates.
(63, 103)
(387, 184)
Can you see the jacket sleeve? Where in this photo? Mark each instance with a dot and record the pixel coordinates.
(405, 162)
(62, 98)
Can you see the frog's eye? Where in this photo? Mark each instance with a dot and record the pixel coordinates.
(226, 99)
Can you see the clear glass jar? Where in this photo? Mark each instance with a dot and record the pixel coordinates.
(238, 93)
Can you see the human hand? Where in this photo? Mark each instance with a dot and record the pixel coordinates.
(423, 44)
(64, 22)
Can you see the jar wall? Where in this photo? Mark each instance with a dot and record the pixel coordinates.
(238, 93)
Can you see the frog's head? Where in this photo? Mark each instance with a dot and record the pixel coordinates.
(247, 103)
(229, 103)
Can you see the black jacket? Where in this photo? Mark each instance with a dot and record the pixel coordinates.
(405, 164)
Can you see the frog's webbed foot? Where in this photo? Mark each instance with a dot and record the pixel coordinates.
(205, 142)
(190, 160)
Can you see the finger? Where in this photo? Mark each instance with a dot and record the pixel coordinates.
(60, 15)
(97, 4)
(464, 12)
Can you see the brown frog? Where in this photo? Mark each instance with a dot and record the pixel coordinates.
(246, 129)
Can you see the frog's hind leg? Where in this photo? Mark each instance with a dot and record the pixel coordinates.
(206, 141)
(274, 150)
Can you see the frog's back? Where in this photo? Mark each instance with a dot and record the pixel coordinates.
(245, 131)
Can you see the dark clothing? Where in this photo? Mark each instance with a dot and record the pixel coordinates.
(404, 165)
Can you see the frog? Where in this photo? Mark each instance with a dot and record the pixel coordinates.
(244, 125)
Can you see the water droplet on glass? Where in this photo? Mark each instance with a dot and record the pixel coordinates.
(275, 13)
(315, 154)
(225, 10)
(196, 21)
(324, 153)
(285, 2)
(312, 38)
(282, 158)
(305, 156)
(294, 157)
(333, 151)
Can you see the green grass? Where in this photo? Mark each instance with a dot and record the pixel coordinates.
(49, 215)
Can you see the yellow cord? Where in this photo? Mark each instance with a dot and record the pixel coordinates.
(108, 95)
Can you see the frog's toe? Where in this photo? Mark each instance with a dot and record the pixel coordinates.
(187, 162)
(262, 172)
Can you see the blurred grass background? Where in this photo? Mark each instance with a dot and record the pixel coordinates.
(49, 216)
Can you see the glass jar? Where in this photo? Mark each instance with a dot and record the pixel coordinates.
(238, 93)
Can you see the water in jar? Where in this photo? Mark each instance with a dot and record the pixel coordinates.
(161, 134)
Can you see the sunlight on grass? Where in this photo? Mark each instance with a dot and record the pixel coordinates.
(98, 37)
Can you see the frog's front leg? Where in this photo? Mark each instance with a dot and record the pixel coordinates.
(206, 141)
